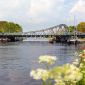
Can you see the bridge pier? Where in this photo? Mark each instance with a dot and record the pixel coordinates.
(10, 38)
(62, 39)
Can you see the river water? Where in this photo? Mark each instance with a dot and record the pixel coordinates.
(19, 58)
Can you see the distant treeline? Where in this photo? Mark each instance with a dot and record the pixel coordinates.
(9, 27)
(80, 27)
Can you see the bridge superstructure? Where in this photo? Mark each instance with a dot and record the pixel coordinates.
(60, 32)
(55, 30)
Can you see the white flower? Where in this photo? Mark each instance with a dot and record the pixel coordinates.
(35, 75)
(84, 60)
(76, 62)
(40, 74)
(47, 59)
(59, 82)
(73, 74)
(81, 65)
(84, 51)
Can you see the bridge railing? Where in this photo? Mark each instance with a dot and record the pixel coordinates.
(42, 34)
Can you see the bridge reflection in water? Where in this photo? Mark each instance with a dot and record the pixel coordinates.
(59, 33)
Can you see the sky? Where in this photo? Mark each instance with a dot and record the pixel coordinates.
(41, 14)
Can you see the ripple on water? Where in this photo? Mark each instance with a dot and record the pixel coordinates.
(18, 58)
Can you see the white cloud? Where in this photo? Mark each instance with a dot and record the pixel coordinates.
(33, 13)
(9, 4)
(37, 20)
(40, 6)
(78, 10)
(40, 10)
(79, 7)
(8, 8)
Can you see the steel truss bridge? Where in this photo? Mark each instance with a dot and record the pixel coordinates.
(59, 31)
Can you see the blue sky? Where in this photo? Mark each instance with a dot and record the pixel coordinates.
(40, 14)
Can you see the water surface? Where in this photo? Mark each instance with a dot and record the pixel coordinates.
(17, 59)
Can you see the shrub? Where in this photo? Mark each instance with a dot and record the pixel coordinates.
(67, 74)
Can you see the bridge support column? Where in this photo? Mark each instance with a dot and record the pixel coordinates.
(62, 39)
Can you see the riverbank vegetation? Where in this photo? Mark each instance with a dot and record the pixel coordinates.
(9, 27)
(67, 74)
(80, 27)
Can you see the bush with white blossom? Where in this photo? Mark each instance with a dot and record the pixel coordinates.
(67, 74)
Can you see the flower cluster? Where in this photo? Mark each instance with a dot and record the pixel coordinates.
(67, 74)
(47, 59)
(40, 74)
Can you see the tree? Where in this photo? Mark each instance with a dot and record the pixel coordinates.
(81, 27)
(71, 28)
(9, 27)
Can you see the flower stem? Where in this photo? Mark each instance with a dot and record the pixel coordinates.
(43, 83)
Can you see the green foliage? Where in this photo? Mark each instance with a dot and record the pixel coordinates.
(71, 28)
(9, 27)
(67, 74)
(81, 27)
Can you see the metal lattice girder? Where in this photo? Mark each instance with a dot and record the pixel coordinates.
(56, 30)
